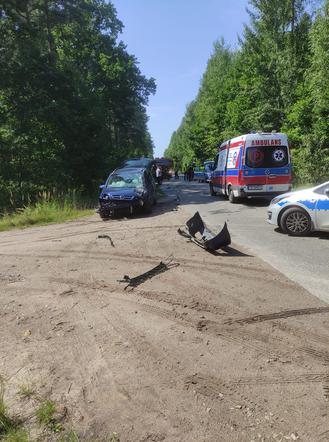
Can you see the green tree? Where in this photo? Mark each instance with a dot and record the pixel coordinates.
(72, 100)
(276, 80)
(313, 106)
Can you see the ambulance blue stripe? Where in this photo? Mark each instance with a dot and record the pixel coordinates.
(232, 172)
(270, 171)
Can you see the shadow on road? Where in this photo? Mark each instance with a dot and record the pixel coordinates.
(229, 251)
(256, 202)
(197, 193)
(319, 235)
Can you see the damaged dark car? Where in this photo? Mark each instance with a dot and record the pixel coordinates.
(127, 190)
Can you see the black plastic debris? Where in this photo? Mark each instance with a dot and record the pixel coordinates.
(140, 279)
(106, 237)
(200, 234)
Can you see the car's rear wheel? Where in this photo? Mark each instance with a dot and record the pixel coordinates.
(231, 197)
(295, 222)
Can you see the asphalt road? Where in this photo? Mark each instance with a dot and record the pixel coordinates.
(304, 260)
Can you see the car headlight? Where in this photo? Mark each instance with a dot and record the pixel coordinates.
(105, 197)
(277, 199)
(139, 192)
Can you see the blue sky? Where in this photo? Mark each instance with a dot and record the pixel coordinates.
(172, 40)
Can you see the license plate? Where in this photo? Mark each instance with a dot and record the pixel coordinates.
(255, 187)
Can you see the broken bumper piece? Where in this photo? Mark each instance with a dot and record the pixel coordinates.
(198, 232)
(140, 279)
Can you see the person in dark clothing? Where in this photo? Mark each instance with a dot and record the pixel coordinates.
(159, 175)
(190, 173)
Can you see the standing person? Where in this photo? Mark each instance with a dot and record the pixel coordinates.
(190, 173)
(153, 171)
(158, 174)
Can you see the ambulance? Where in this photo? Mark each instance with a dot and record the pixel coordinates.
(252, 165)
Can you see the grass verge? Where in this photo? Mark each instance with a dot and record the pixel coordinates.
(50, 422)
(46, 415)
(16, 436)
(10, 430)
(26, 391)
(44, 212)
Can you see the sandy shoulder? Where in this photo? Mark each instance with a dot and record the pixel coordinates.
(219, 348)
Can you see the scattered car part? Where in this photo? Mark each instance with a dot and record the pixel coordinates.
(208, 240)
(140, 279)
(106, 237)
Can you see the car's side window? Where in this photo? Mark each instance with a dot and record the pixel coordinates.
(322, 190)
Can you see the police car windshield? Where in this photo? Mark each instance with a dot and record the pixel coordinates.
(266, 156)
(125, 179)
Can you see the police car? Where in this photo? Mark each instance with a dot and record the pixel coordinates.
(298, 213)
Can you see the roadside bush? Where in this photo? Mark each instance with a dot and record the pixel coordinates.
(49, 209)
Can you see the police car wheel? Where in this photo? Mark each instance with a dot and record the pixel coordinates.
(295, 222)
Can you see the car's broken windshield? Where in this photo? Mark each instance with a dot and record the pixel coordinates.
(125, 180)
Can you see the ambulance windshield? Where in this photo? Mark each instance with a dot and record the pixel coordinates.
(267, 156)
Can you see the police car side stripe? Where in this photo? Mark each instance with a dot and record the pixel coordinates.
(307, 203)
(323, 205)
(310, 205)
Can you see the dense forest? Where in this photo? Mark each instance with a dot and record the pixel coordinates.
(72, 99)
(277, 79)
